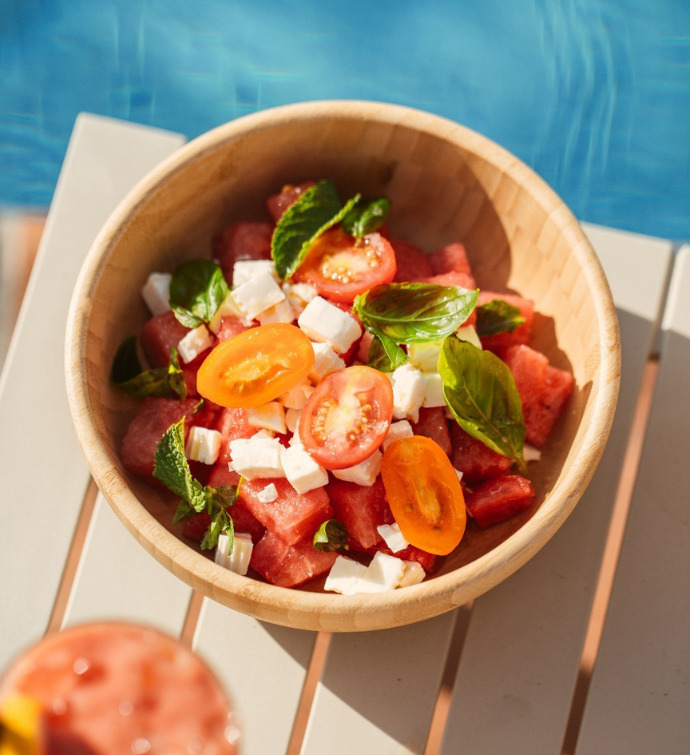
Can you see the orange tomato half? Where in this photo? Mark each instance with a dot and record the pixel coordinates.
(256, 366)
(424, 493)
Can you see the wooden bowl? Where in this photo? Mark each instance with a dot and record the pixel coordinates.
(446, 184)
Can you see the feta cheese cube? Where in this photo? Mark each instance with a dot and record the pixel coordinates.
(246, 270)
(324, 322)
(424, 355)
(203, 445)
(297, 397)
(280, 312)
(299, 295)
(409, 390)
(344, 576)
(256, 457)
(413, 574)
(292, 420)
(194, 342)
(400, 429)
(433, 389)
(468, 333)
(393, 537)
(268, 494)
(530, 453)
(364, 473)
(383, 573)
(270, 416)
(257, 294)
(156, 292)
(238, 560)
(363, 347)
(302, 472)
(326, 361)
(228, 307)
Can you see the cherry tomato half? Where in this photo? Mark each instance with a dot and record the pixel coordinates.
(424, 493)
(256, 366)
(347, 416)
(339, 267)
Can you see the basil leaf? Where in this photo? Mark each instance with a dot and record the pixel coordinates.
(160, 382)
(331, 536)
(481, 393)
(317, 209)
(197, 289)
(497, 316)
(172, 468)
(366, 217)
(385, 355)
(413, 312)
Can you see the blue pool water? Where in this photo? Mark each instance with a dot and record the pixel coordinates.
(593, 94)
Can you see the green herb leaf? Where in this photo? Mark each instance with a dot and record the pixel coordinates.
(413, 312)
(197, 289)
(497, 316)
(317, 209)
(184, 511)
(160, 382)
(481, 393)
(385, 355)
(366, 217)
(221, 523)
(331, 536)
(126, 364)
(172, 468)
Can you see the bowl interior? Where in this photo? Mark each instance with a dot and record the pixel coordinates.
(446, 184)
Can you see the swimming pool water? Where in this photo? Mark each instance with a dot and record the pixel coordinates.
(593, 94)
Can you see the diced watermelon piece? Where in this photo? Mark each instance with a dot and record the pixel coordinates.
(543, 390)
(242, 519)
(428, 561)
(232, 424)
(230, 326)
(153, 418)
(289, 194)
(411, 261)
(499, 499)
(500, 342)
(289, 565)
(361, 509)
(292, 516)
(452, 258)
(160, 334)
(246, 240)
(433, 423)
(476, 461)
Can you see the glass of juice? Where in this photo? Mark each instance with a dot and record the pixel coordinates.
(113, 688)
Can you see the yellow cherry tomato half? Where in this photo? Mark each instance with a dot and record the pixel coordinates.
(256, 366)
(424, 493)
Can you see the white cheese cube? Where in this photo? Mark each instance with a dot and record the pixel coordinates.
(344, 576)
(469, 333)
(302, 472)
(400, 429)
(363, 347)
(270, 416)
(238, 560)
(324, 322)
(424, 355)
(530, 453)
(299, 295)
(393, 537)
(364, 473)
(256, 457)
(458, 473)
(433, 389)
(156, 292)
(383, 573)
(292, 420)
(326, 361)
(409, 390)
(268, 494)
(413, 574)
(257, 295)
(194, 342)
(297, 397)
(246, 270)
(280, 312)
(227, 308)
(203, 445)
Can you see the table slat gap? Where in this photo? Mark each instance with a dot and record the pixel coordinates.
(191, 619)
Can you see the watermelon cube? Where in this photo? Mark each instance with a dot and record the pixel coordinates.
(500, 342)
(160, 334)
(289, 194)
(452, 259)
(230, 326)
(232, 424)
(476, 461)
(289, 565)
(246, 240)
(428, 561)
(499, 499)
(361, 509)
(543, 390)
(411, 261)
(433, 424)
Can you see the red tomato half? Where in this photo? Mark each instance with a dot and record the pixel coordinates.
(347, 416)
(339, 267)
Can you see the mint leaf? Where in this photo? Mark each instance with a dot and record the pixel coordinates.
(161, 382)
(197, 289)
(331, 536)
(172, 468)
(481, 393)
(385, 355)
(366, 217)
(497, 316)
(221, 523)
(414, 312)
(317, 209)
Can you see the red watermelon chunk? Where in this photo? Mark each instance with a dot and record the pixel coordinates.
(475, 460)
(246, 240)
(232, 424)
(500, 342)
(452, 259)
(411, 261)
(292, 516)
(361, 509)
(428, 561)
(499, 499)
(289, 565)
(242, 520)
(154, 417)
(160, 334)
(433, 423)
(543, 390)
(230, 326)
(289, 194)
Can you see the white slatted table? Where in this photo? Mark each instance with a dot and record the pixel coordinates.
(501, 676)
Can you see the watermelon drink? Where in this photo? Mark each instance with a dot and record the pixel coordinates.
(328, 399)
(110, 688)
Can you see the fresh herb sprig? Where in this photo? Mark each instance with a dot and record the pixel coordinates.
(197, 289)
(331, 536)
(497, 316)
(366, 217)
(162, 382)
